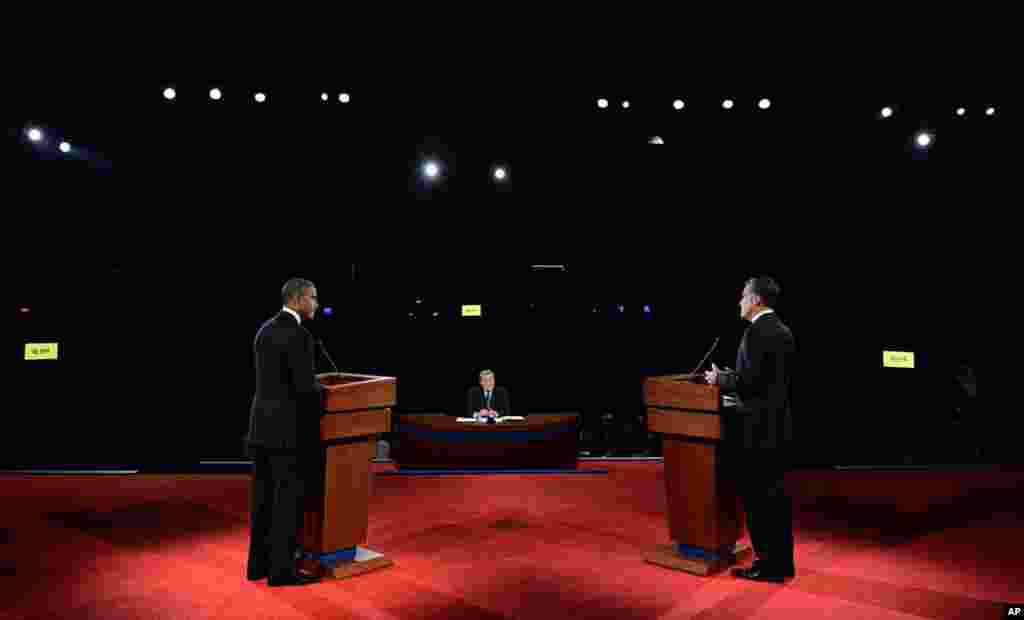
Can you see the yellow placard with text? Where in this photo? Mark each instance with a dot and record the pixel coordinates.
(897, 359)
(472, 310)
(40, 350)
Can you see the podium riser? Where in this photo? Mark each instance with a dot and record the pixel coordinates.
(703, 506)
(337, 516)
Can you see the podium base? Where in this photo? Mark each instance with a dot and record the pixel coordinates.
(668, 556)
(366, 560)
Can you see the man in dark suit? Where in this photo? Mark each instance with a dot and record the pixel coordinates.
(759, 428)
(487, 401)
(283, 425)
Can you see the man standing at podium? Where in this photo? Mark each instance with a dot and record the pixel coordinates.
(759, 427)
(488, 400)
(283, 425)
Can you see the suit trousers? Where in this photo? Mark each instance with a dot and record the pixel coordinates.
(277, 493)
(760, 477)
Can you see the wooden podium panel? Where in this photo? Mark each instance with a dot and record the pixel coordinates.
(704, 516)
(336, 520)
(442, 442)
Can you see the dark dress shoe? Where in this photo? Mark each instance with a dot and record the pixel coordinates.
(301, 579)
(756, 573)
(789, 571)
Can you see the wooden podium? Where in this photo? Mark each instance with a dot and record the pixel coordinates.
(704, 517)
(336, 516)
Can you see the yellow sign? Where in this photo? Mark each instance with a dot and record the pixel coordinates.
(897, 359)
(40, 350)
(476, 310)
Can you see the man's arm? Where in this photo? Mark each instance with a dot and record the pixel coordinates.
(507, 410)
(300, 363)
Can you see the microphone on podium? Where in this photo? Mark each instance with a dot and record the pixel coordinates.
(327, 355)
(706, 356)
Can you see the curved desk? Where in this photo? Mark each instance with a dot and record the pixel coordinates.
(441, 442)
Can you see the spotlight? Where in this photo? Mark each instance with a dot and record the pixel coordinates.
(323, 96)
(431, 170)
(602, 103)
(923, 139)
(64, 147)
(169, 93)
(886, 112)
(960, 111)
(656, 140)
(647, 309)
(344, 98)
(500, 174)
(727, 104)
(35, 135)
(625, 105)
(764, 104)
(990, 112)
(25, 310)
(328, 311)
(678, 104)
(260, 97)
(215, 94)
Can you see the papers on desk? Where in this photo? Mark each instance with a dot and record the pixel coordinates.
(499, 420)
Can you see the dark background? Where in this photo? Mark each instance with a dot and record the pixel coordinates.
(155, 249)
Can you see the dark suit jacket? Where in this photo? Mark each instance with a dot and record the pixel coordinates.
(499, 400)
(286, 408)
(762, 380)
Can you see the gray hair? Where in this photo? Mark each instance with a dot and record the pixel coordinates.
(294, 288)
(765, 288)
(484, 373)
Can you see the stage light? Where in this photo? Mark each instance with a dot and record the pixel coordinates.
(625, 104)
(602, 103)
(431, 170)
(647, 309)
(260, 97)
(656, 140)
(886, 112)
(678, 104)
(499, 174)
(328, 311)
(727, 104)
(960, 111)
(25, 310)
(622, 309)
(169, 94)
(764, 104)
(924, 139)
(437, 314)
(35, 135)
(419, 301)
(990, 112)
(64, 147)
(323, 97)
(344, 98)
(215, 94)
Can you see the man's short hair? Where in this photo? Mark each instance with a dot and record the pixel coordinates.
(765, 288)
(294, 288)
(484, 373)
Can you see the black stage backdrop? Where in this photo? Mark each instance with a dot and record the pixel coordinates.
(153, 258)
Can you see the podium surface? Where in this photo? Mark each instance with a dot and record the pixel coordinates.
(704, 516)
(336, 518)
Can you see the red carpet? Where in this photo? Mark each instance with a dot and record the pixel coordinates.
(943, 545)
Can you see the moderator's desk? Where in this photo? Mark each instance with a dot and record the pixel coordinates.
(441, 442)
